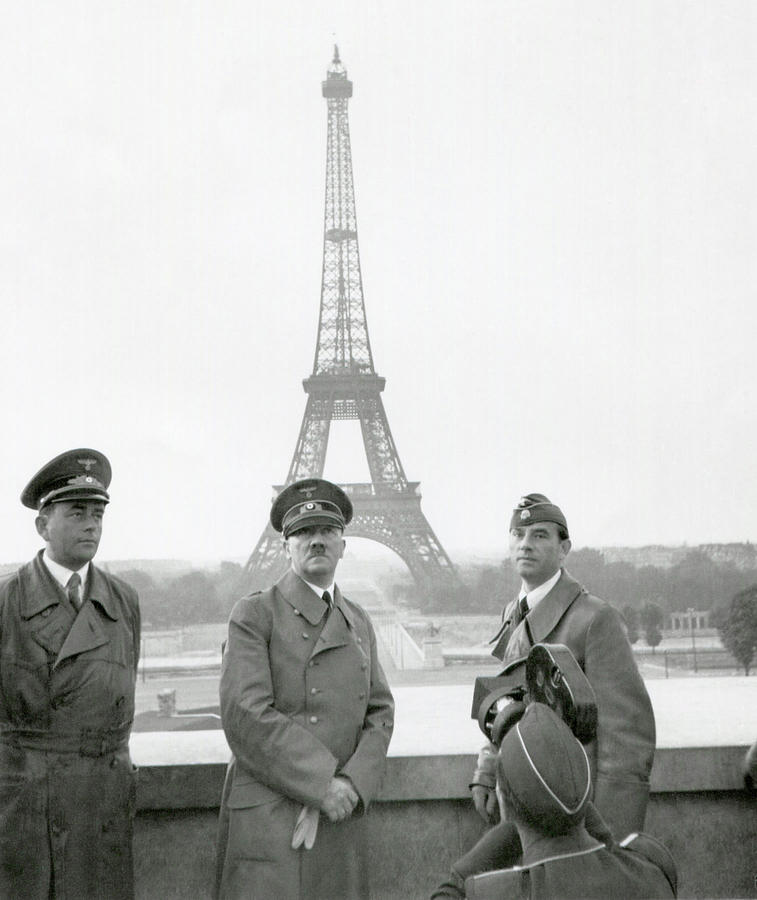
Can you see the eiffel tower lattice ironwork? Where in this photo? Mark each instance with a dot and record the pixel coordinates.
(344, 385)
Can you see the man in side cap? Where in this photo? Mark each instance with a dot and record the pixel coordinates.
(308, 715)
(544, 783)
(553, 608)
(69, 646)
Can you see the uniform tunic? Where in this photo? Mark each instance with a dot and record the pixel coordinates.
(303, 698)
(67, 785)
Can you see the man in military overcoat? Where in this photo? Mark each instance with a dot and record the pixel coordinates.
(554, 608)
(69, 646)
(308, 715)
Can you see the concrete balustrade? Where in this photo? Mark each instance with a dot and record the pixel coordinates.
(423, 818)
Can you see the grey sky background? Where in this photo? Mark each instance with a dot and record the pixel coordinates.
(556, 215)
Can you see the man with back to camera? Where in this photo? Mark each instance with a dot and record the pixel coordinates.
(544, 784)
(69, 647)
(308, 715)
(554, 608)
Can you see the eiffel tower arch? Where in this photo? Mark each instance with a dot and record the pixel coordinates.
(344, 385)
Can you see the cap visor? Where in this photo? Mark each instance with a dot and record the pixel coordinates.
(316, 518)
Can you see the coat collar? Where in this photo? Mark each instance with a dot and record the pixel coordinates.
(304, 599)
(40, 589)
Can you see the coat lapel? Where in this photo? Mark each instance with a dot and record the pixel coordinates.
(543, 620)
(301, 598)
(44, 606)
(336, 632)
(515, 639)
(86, 634)
(502, 638)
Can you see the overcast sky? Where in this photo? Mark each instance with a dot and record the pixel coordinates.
(556, 218)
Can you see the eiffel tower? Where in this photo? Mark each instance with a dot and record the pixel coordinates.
(344, 385)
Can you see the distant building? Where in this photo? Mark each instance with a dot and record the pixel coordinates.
(689, 621)
(740, 556)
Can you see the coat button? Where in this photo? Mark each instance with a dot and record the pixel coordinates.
(297, 612)
(311, 664)
(364, 666)
(361, 695)
(360, 640)
(305, 634)
(313, 690)
(313, 720)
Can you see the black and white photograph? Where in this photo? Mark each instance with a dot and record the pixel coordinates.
(379, 494)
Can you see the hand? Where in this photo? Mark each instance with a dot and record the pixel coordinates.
(485, 801)
(340, 800)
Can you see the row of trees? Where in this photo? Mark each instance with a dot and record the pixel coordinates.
(643, 595)
(191, 598)
(696, 581)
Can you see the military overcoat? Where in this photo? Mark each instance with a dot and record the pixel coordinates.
(623, 752)
(67, 785)
(303, 698)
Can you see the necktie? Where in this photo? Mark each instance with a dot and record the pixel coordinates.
(72, 589)
(523, 606)
(327, 599)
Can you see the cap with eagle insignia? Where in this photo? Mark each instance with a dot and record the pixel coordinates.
(311, 501)
(537, 508)
(82, 474)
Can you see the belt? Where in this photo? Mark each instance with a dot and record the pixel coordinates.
(87, 742)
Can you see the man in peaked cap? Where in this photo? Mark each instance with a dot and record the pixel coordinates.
(69, 646)
(544, 783)
(308, 715)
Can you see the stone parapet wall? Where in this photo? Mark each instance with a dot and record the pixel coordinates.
(423, 821)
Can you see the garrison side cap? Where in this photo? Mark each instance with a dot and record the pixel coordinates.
(310, 501)
(534, 508)
(544, 764)
(82, 474)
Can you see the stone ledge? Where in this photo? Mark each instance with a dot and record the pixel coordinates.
(182, 785)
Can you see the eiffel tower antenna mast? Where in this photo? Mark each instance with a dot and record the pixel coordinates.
(344, 385)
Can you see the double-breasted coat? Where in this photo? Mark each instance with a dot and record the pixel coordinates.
(67, 785)
(303, 698)
(623, 752)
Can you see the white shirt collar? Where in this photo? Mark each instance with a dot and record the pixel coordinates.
(61, 574)
(321, 591)
(539, 593)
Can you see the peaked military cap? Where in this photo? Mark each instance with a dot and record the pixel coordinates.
(544, 765)
(537, 508)
(82, 474)
(312, 501)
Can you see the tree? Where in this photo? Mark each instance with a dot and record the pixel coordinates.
(192, 598)
(651, 619)
(631, 618)
(738, 629)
